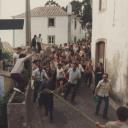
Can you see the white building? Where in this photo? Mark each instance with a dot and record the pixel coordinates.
(110, 42)
(54, 24)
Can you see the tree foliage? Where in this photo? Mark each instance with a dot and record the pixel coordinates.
(87, 12)
(7, 55)
(83, 10)
(76, 7)
(51, 2)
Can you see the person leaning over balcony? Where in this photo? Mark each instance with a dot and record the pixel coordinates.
(102, 91)
(121, 122)
(17, 70)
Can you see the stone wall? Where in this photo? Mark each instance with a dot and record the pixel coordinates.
(18, 112)
(17, 117)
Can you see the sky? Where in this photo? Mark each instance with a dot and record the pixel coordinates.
(13, 7)
(10, 8)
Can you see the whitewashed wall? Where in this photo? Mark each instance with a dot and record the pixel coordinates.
(40, 25)
(79, 33)
(112, 25)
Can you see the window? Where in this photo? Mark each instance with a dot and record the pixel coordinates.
(51, 39)
(102, 5)
(51, 22)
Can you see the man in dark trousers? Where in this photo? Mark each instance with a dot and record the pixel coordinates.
(46, 97)
(102, 91)
(73, 82)
(34, 43)
(39, 75)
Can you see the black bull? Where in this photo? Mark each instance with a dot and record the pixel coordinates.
(46, 99)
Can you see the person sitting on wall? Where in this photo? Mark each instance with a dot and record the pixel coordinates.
(17, 70)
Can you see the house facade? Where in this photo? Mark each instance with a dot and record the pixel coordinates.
(110, 43)
(53, 23)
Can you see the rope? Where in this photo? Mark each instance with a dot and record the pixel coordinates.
(73, 107)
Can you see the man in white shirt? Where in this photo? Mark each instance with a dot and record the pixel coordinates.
(39, 41)
(60, 75)
(17, 70)
(16, 54)
(74, 77)
(102, 91)
(38, 75)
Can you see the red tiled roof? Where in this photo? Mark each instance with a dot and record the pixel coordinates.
(50, 10)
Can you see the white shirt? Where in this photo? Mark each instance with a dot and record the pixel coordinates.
(18, 67)
(60, 73)
(39, 39)
(116, 124)
(34, 71)
(81, 68)
(103, 88)
(15, 57)
(81, 53)
(75, 48)
(40, 75)
(73, 75)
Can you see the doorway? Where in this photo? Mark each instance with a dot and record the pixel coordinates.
(100, 52)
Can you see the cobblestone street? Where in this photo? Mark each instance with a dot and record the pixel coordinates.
(66, 117)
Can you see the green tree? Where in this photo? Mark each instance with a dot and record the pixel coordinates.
(87, 12)
(7, 55)
(83, 10)
(51, 2)
(76, 7)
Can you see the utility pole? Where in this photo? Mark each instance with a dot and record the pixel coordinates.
(28, 33)
(28, 23)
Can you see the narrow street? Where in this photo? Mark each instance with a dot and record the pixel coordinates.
(66, 117)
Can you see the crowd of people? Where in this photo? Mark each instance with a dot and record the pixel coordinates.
(65, 67)
(61, 68)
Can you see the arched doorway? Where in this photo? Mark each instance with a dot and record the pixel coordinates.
(100, 52)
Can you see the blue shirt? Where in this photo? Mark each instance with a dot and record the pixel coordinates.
(74, 75)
